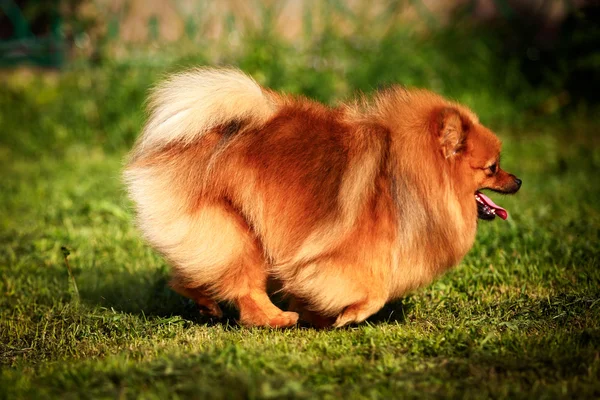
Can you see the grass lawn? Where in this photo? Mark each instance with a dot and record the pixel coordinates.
(519, 318)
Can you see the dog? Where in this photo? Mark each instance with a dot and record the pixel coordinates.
(347, 207)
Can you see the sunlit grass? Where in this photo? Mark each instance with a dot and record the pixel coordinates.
(519, 317)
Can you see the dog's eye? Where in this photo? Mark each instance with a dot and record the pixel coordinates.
(493, 168)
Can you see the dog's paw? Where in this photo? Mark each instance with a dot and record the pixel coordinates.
(284, 320)
(358, 312)
(344, 319)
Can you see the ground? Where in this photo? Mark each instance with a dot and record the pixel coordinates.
(518, 318)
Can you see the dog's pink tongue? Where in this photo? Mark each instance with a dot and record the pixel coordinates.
(501, 212)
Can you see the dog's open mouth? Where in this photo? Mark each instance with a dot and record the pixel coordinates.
(487, 209)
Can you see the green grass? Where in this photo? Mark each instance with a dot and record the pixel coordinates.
(519, 318)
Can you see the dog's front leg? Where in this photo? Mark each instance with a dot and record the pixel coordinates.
(358, 312)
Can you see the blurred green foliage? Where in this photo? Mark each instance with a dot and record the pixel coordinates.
(481, 66)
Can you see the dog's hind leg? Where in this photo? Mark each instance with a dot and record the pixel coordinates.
(256, 309)
(207, 306)
(221, 253)
(246, 284)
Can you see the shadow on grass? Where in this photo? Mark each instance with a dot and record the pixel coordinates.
(150, 295)
(394, 312)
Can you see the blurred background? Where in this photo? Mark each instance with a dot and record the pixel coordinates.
(76, 72)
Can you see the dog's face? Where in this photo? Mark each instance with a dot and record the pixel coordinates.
(476, 152)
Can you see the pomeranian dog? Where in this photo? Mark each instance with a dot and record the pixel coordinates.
(347, 207)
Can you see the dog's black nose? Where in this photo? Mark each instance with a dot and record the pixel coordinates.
(518, 182)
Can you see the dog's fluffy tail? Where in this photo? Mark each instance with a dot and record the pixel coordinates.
(188, 105)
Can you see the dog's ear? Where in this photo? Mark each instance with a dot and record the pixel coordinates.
(450, 130)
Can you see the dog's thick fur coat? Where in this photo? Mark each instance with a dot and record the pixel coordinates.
(346, 207)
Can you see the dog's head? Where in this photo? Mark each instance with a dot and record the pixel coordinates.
(474, 153)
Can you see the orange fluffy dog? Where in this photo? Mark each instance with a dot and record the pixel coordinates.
(347, 207)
